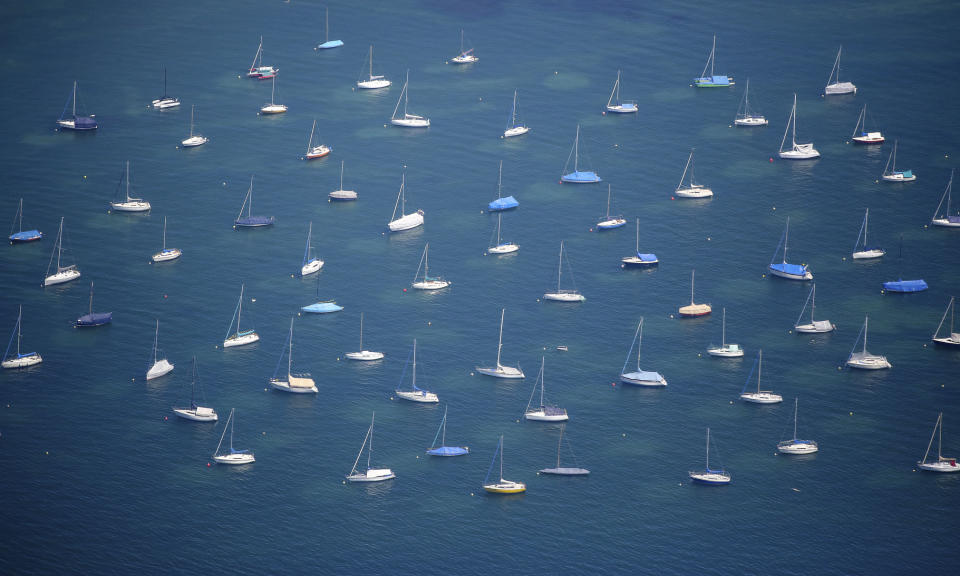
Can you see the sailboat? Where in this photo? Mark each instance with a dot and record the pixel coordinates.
(709, 476)
(196, 412)
(640, 377)
(577, 177)
(327, 42)
(91, 318)
(273, 107)
(814, 326)
(363, 354)
(22, 359)
(860, 133)
(159, 366)
(426, 281)
(796, 151)
(165, 101)
(233, 457)
(796, 445)
(257, 69)
(615, 105)
(465, 56)
(407, 120)
(405, 221)
(415, 394)
(713, 80)
(692, 189)
(564, 470)
(340, 194)
(63, 273)
(321, 306)
(501, 247)
(760, 396)
(372, 82)
(250, 221)
(443, 449)
(239, 337)
(746, 116)
(640, 259)
(725, 350)
(890, 172)
(543, 412)
(693, 310)
(942, 464)
(128, 204)
(165, 254)
(311, 264)
(863, 251)
(296, 383)
(318, 151)
(515, 126)
(566, 294)
(610, 222)
(371, 474)
(502, 203)
(863, 359)
(72, 121)
(784, 269)
(501, 486)
(22, 236)
(193, 140)
(952, 338)
(834, 85)
(501, 371)
(901, 285)
(946, 218)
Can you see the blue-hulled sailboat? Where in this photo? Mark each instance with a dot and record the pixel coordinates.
(901, 285)
(250, 221)
(564, 470)
(713, 80)
(443, 449)
(321, 306)
(502, 203)
(577, 177)
(71, 121)
(327, 42)
(22, 235)
(784, 269)
(91, 318)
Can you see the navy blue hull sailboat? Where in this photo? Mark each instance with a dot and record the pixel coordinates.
(91, 318)
(250, 221)
(71, 121)
(23, 235)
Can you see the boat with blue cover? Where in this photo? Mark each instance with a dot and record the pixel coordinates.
(443, 449)
(72, 121)
(946, 218)
(641, 259)
(640, 377)
(712, 80)
(784, 269)
(250, 221)
(890, 172)
(904, 286)
(321, 306)
(577, 177)
(564, 470)
(22, 236)
(327, 42)
(21, 359)
(708, 475)
(502, 203)
(91, 318)
(465, 56)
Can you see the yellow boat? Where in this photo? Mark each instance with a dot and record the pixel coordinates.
(502, 486)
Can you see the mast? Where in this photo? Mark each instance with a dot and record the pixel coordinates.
(229, 419)
(443, 437)
(273, 88)
(500, 342)
(866, 319)
(499, 218)
(576, 151)
(759, 370)
(192, 106)
(164, 81)
(708, 449)
(813, 301)
(231, 432)
(406, 94)
(796, 401)
(310, 142)
(638, 236)
(239, 309)
(543, 383)
(786, 237)
(193, 390)
(306, 251)
(290, 351)
(156, 336)
(414, 382)
(341, 174)
(128, 180)
(90, 310)
(793, 135)
(361, 331)
(327, 22)
(164, 234)
(691, 286)
(640, 342)
(513, 114)
(685, 168)
(865, 216)
(935, 427)
(426, 277)
(560, 266)
(371, 60)
(19, 317)
(20, 213)
(501, 458)
(793, 111)
(562, 426)
(723, 332)
(608, 202)
(59, 243)
(370, 447)
(74, 99)
(713, 51)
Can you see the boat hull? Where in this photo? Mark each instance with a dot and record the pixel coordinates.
(899, 177)
(25, 236)
(407, 222)
(818, 327)
(800, 152)
(644, 378)
(803, 274)
(581, 178)
(751, 121)
(61, 277)
(506, 372)
(322, 307)
(947, 466)
(448, 451)
(329, 44)
(273, 109)
(364, 355)
(762, 397)
(131, 206)
(728, 351)
(194, 141)
(167, 254)
(717, 81)
(565, 471)
(952, 340)
(464, 59)
(417, 396)
(695, 191)
(411, 121)
(694, 310)
(905, 286)
(639, 261)
(23, 361)
(343, 195)
(611, 224)
(839, 88)
(871, 363)
(318, 152)
(374, 84)
(234, 459)
(311, 267)
(624, 108)
(241, 340)
(948, 222)
(165, 103)
(94, 319)
(284, 386)
(505, 487)
(159, 368)
(372, 475)
(505, 248)
(543, 416)
(710, 478)
(797, 447)
(565, 297)
(515, 131)
(868, 254)
(431, 285)
(868, 139)
(253, 222)
(198, 414)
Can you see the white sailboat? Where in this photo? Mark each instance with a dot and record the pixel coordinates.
(465, 56)
(159, 366)
(890, 172)
(566, 294)
(340, 194)
(128, 204)
(165, 254)
(709, 476)
(427, 282)
(725, 350)
(363, 354)
(370, 474)
(257, 69)
(617, 106)
(415, 394)
(942, 463)
(62, 273)
(863, 359)
(946, 218)
(543, 412)
(610, 222)
(952, 338)
(273, 107)
(796, 151)
(233, 457)
(564, 470)
(296, 383)
(193, 139)
(639, 259)
(501, 371)
(165, 101)
(407, 120)
(746, 116)
(196, 412)
(515, 126)
(860, 133)
(814, 326)
(834, 85)
(405, 221)
(318, 151)
(796, 445)
(640, 377)
(21, 359)
(239, 337)
(692, 189)
(501, 486)
(862, 250)
(501, 247)
(311, 264)
(694, 310)
(372, 82)
(760, 396)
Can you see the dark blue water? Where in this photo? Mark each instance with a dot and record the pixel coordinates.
(99, 477)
